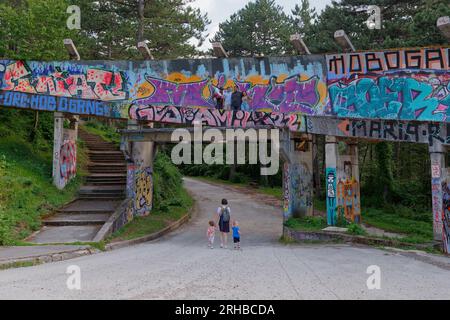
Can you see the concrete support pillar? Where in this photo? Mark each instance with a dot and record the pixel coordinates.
(140, 174)
(299, 177)
(57, 143)
(440, 189)
(331, 158)
(342, 181)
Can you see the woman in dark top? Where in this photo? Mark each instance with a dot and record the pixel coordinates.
(223, 218)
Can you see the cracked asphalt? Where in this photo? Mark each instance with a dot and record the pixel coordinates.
(180, 266)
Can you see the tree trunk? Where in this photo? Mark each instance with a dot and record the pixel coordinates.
(140, 34)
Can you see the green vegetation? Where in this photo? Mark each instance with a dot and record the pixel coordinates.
(23, 264)
(403, 221)
(107, 132)
(314, 223)
(156, 221)
(27, 192)
(356, 229)
(170, 202)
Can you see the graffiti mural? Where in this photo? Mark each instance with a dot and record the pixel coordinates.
(348, 200)
(446, 217)
(300, 188)
(290, 84)
(144, 192)
(286, 190)
(331, 195)
(214, 117)
(399, 84)
(288, 95)
(68, 161)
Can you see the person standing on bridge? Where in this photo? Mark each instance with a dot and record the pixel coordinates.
(236, 99)
(219, 98)
(224, 217)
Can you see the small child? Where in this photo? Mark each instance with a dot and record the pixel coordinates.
(236, 235)
(210, 234)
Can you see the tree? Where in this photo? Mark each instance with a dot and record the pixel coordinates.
(304, 18)
(404, 23)
(34, 30)
(117, 26)
(261, 27)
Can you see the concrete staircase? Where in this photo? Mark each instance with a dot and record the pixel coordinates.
(97, 199)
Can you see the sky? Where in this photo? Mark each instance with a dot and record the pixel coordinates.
(219, 11)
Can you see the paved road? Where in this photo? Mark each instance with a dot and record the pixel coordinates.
(180, 266)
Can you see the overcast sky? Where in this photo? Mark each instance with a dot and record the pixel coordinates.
(219, 10)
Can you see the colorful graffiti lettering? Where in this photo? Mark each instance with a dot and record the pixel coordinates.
(68, 161)
(331, 196)
(407, 84)
(60, 104)
(387, 61)
(421, 97)
(214, 117)
(289, 95)
(144, 192)
(94, 84)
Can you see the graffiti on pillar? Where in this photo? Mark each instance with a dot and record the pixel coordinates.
(331, 195)
(286, 191)
(348, 200)
(214, 117)
(68, 161)
(348, 196)
(446, 217)
(395, 84)
(144, 192)
(300, 188)
(437, 196)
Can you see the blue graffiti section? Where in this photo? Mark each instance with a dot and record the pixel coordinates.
(331, 196)
(385, 97)
(58, 104)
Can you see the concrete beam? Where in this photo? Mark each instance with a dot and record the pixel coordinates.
(144, 50)
(219, 51)
(443, 24)
(71, 49)
(343, 41)
(164, 135)
(299, 44)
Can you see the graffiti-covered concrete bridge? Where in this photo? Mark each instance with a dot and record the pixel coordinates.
(396, 95)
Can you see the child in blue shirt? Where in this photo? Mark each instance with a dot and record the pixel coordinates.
(236, 235)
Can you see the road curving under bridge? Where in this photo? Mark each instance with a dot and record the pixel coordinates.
(180, 266)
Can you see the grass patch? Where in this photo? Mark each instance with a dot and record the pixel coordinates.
(306, 223)
(18, 265)
(156, 221)
(416, 231)
(27, 190)
(275, 191)
(356, 230)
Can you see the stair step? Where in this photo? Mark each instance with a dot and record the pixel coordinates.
(107, 164)
(101, 197)
(76, 219)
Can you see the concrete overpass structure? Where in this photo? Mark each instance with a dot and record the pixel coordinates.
(394, 95)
